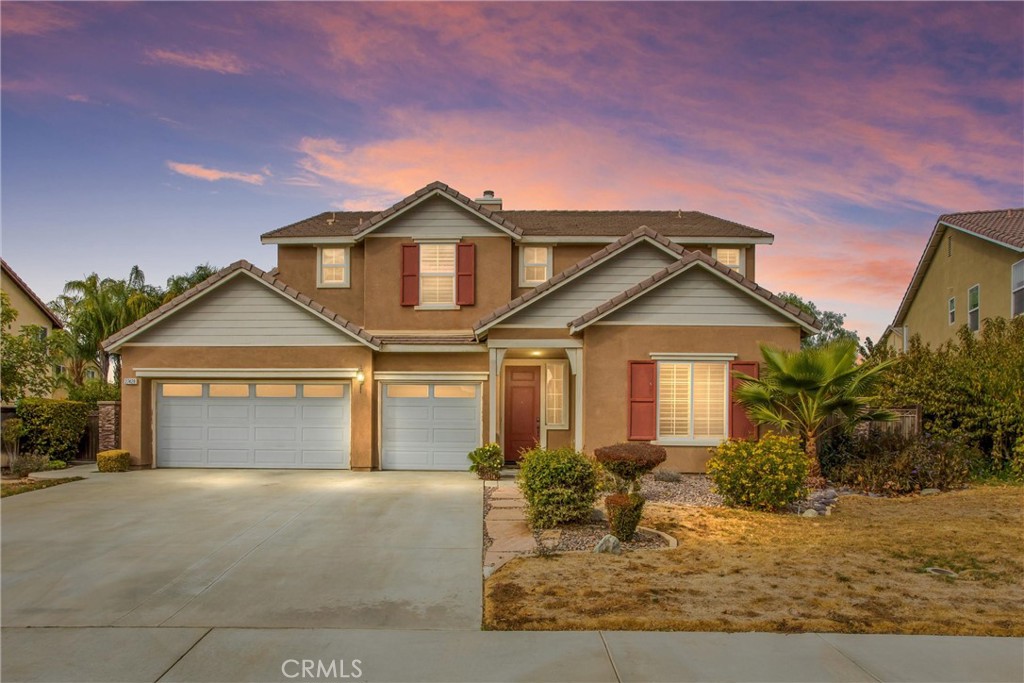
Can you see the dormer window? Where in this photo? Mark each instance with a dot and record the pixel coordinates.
(333, 267)
(729, 257)
(534, 266)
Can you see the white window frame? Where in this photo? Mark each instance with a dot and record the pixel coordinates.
(1014, 290)
(951, 310)
(742, 267)
(347, 282)
(564, 424)
(691, 440)
(453, 306)
(549, 252)
(970, 310)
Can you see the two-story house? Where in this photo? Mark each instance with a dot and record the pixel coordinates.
(32, 312)
(972, 268)
(403, 339)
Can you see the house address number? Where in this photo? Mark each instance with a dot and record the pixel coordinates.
(131, 380)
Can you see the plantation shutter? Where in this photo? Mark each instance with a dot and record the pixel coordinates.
(740, 426)
(642, 416)
(410, 274)
(465, 274)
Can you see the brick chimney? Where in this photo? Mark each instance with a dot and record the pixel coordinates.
(489, 201)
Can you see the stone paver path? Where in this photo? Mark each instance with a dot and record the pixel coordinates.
(506, 525)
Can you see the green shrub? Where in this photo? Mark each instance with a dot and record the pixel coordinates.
(53, 428)
(487, 461)
(93, 391)
(764, 475)
(113, 461)
(10, 433)
(55, 465)
(24, 465)
(624, 513)
(559, 486)
(629, 461)
(1016, 468)
(894, 464)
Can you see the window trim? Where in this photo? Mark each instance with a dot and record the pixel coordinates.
(742, 268)
(1014, 314)
(564, 424)
(951, 310)
(691, 440)
(344, 284)
(453, 306)
(548, 265)
(970, 310)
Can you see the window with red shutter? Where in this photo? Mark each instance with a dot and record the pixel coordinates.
(740, 426)
(642, 402)
(465, 272)
(410, 274)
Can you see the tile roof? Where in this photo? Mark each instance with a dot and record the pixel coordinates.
(221, 275)
(600, 255)
(9, 272)
(1002, 225)
(694, 224)
(682, 264)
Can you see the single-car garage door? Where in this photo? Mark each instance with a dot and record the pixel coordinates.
(429, 426)
(240, 424)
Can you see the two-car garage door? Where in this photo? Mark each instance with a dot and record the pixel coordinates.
(255, 425)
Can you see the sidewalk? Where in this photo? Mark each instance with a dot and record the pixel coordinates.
(229, 654)
(84, 471)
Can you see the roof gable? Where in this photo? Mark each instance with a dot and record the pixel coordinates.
(23, 286)
(220, 280)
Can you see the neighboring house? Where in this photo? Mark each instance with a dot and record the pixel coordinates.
(403, 339)
(31, 309)
(971, 269)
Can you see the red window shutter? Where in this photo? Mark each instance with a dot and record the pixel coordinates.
(410, 274)
(643, 404)
(740, 426)
(465, 274)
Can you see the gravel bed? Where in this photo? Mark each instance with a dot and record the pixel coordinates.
(488, 491)
(586, 536)
(691, 489)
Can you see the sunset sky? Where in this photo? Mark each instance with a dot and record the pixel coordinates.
(167, 135)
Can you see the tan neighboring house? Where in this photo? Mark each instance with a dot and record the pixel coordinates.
(972, 269)
(402, 339)
(31, 309)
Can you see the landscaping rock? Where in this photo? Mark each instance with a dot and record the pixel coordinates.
(929, 492)
(597, 515)
(609, 544)
(941, 571)
(810, 513)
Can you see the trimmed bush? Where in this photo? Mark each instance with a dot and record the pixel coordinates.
(55, 465)
(94, 391)
(53, 428)
(113, 461)
(894, 464)
(487, 461)
(624, 513)
(630, 461)
(24, 465)
(764, 475)
(559, 486)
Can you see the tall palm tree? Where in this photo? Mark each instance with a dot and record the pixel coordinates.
(179, 284)
(802, 390)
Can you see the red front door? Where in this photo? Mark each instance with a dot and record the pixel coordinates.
(522, 410)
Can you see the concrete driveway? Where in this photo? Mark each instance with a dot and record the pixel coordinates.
(253, 548)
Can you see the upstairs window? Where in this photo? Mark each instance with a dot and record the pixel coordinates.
(1017, 289)
(729, 257)
(974, 308)
(535, 266)
(333, 269)
(952, 310)
(437, 275)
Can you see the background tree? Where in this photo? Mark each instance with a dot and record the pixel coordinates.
(27, 358)
(802, 390)
(179, 284)
(831, 323)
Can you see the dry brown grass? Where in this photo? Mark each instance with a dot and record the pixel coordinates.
(860, 570)
(15, 486)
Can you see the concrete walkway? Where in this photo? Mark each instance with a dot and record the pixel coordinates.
(231, 654)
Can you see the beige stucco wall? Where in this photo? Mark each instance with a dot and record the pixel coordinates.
(137, 400)
(297, 267)
(607, 350)
(974, 261)
(28, 311)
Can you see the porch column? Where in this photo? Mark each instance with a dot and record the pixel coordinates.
(496, 356)
(576, 369)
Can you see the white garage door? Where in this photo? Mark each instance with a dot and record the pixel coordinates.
(303, 426)
(429, 426)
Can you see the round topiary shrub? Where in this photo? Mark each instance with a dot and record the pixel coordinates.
(627, 462)
(559, 486)
(764, 475)
(487, 461)
(624, 513)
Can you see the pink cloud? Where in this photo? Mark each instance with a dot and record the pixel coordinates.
(213, 175)
(35, 18)
(209, 60)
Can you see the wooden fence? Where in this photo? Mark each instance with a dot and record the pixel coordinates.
(907, 423)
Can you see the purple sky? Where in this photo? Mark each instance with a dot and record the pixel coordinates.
(167, 135)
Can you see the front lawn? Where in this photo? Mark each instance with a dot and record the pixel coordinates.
(16, 486)
(860, 570)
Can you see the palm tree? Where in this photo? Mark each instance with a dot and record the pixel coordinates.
(802, 390)
(179, 284)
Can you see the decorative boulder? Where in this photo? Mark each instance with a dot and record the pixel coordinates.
(608, 544)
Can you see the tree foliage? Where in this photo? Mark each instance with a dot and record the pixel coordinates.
(27, 356)
(971, 388)
(831, 323)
